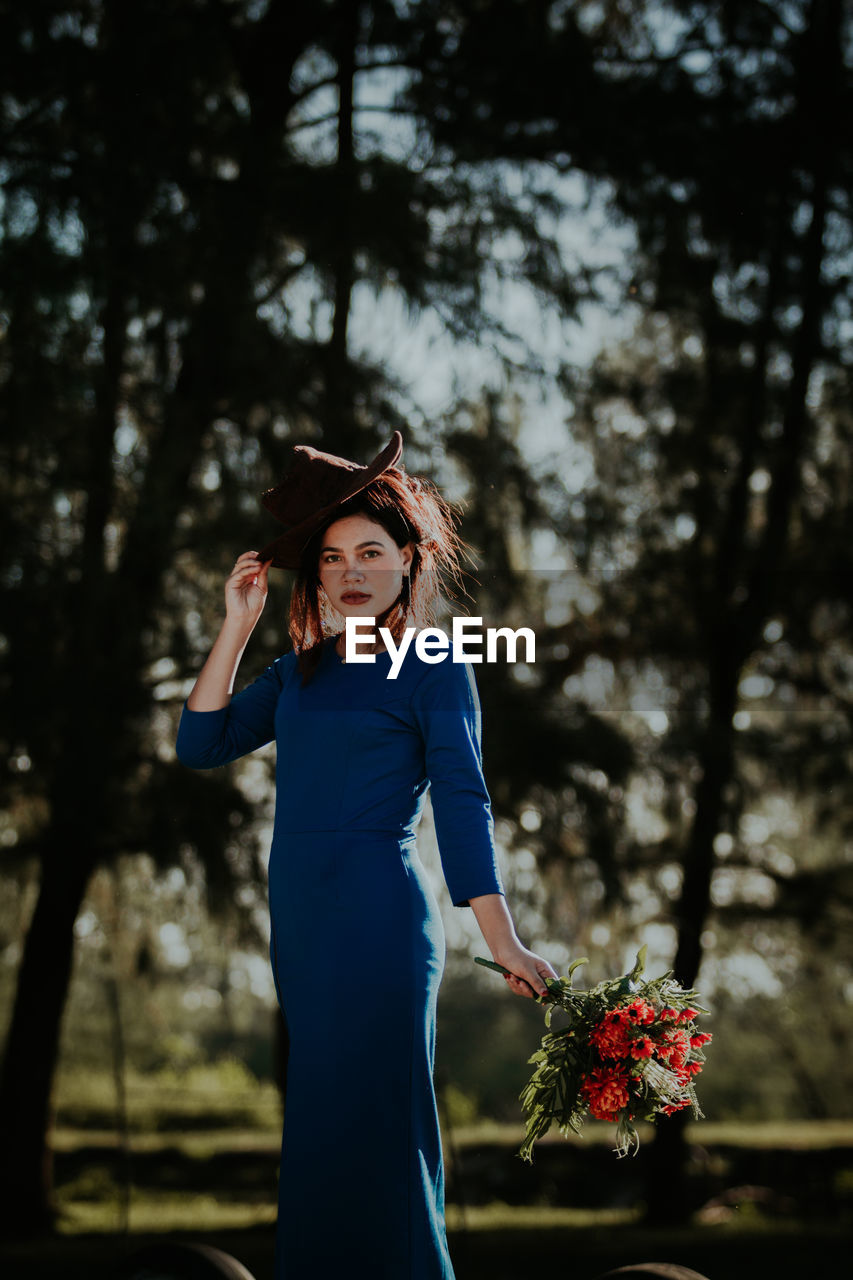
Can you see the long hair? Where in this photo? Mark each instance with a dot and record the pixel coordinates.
(409, 509)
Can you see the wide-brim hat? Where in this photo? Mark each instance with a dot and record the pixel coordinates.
(310, 492)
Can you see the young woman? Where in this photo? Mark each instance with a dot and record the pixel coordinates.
(357, 945)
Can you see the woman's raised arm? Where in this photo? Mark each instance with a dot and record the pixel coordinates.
(245, 596)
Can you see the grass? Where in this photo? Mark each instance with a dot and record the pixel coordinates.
(159, 1212)
(203, 1148)
(197, 1144)
(792, 1134)
(204, 1213)
(200, 1096)
(201, 1214)
(812, 1135)
(506, 1217)
(210, 1138)
(511, 1250)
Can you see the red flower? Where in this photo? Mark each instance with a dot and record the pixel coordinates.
(673, 1049)
(640, 1013)
(606, 1091)
(700, 1038)
(642, 1047)
(609, 1037)
(687, 1015)
(668, 1015)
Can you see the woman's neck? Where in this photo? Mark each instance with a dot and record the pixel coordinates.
(340, 646)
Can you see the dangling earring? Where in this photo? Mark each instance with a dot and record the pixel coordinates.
(405, 592)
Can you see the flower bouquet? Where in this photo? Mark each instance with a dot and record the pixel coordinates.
(629, 1052)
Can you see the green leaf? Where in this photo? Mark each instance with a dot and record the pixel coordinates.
(640, 963)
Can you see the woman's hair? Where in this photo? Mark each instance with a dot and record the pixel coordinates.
(409, 509)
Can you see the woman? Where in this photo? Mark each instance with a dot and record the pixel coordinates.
(357, 945)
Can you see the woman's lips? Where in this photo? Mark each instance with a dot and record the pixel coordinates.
(354, 597)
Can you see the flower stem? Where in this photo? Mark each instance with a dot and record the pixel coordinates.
(498, 968)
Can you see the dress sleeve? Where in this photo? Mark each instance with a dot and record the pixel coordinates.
(447, 711)
(207, 739)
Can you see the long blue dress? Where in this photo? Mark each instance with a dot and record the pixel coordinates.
(357, 944)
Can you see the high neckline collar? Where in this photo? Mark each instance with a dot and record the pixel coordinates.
(332, 644)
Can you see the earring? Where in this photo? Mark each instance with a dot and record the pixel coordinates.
(405, 591)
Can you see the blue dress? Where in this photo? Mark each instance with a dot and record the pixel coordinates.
(357, 944)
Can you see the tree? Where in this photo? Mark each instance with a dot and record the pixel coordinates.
(711, 430)
(158, 251)
(719, 436)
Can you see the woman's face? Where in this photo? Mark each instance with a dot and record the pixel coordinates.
(361, 567)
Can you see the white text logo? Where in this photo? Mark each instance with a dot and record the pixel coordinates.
(434, 645)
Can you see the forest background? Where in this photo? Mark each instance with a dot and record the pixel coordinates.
(594, 260)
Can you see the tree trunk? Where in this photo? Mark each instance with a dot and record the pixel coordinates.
(78, 787)
(104, 729)
(32, 1045)
(339, 406)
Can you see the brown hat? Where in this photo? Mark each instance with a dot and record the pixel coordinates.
(308, 494)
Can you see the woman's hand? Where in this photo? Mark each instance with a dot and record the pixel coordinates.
(245, 596)
(246, 589)
(527, 971)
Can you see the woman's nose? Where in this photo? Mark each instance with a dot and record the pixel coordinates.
(353, 571)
